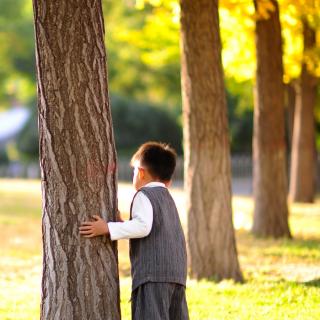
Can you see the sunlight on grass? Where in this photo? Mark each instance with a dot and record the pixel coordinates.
(242, 211)
(282, 276)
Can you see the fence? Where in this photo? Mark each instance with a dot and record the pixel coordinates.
(241, 166)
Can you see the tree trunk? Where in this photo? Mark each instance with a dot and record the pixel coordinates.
(303, 155)
(78, 161)
(269, 147)
(290, 106)
(211, 239)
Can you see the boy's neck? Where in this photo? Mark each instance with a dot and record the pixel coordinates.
(160, 183)
(153, 181)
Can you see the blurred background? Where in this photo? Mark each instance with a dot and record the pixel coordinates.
(144, 80)
(142, 40)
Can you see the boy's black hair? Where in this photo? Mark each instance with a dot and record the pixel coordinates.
(158, 158)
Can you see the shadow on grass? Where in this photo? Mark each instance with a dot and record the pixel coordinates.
(272, 260)
(246, 238)
(311, 283)
(309, 243)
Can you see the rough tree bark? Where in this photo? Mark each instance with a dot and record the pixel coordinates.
(303, 155)
(269, 147)
(77, 159)
(211, 239)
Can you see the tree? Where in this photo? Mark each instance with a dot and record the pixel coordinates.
(303, 161)
(269, 148)
(290, 96)
(77, 159)
(211, 236)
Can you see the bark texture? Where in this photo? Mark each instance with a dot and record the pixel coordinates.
(78, 161)
(269, 147)
(303, 155)
(211, 239)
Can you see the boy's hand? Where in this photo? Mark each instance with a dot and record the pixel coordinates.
(91, 229)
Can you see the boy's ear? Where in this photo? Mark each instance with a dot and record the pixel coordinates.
(141, 173)
(168, 183)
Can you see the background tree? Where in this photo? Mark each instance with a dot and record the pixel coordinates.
(303, 158)
(290, 98)
(211, 236)
(78, 161)
(144, 56)
(158, 43)
(269, 148)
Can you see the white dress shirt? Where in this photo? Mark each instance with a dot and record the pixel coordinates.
(142, 217)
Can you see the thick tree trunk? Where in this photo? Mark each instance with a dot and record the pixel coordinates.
(303, 155)
(269, 147)
(211, 239)
(78, 161)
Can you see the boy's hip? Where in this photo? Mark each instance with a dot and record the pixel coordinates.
(159, 301)
(138, 279)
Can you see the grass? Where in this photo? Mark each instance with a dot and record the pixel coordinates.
(282, 276)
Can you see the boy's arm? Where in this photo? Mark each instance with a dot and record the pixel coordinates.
(99, 227)
(138, 227)
(141, 223)
(91, 229)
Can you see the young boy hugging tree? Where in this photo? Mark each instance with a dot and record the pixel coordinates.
(157, 244)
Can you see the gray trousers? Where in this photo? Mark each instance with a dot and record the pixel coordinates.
(159, 301)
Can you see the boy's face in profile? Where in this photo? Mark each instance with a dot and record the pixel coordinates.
(139, 175)
(153, 162)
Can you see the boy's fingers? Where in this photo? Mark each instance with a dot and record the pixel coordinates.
(85, 231)
(87, 223)
(89, 236)
(85, 228)
(96, 217)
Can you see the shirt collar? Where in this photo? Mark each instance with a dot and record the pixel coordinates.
(155, 184)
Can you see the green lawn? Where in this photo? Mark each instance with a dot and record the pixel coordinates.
(282, 276)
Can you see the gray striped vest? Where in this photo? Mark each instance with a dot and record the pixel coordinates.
(161, 256)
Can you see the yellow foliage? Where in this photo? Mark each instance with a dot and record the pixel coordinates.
(264, 8)
(140, 4)
(158, 39)
(237, 34)
(237, 24)
(292, 32)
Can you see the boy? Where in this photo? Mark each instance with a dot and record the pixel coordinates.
(157, 244)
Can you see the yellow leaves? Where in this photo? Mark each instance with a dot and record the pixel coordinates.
(171, 5)
(292, 45)
(158, 39)
(237, 23)
(263, 9)
(141, 3)
(237, 34)
(292, 33)
(309, 9)
(311, 59)
(304, 7)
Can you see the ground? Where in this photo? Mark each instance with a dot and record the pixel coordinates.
(282, 276)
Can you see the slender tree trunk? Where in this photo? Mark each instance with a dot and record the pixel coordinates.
(269, 147)
(290, 106)
(211, 239)
(77, 159)
(303, 163)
